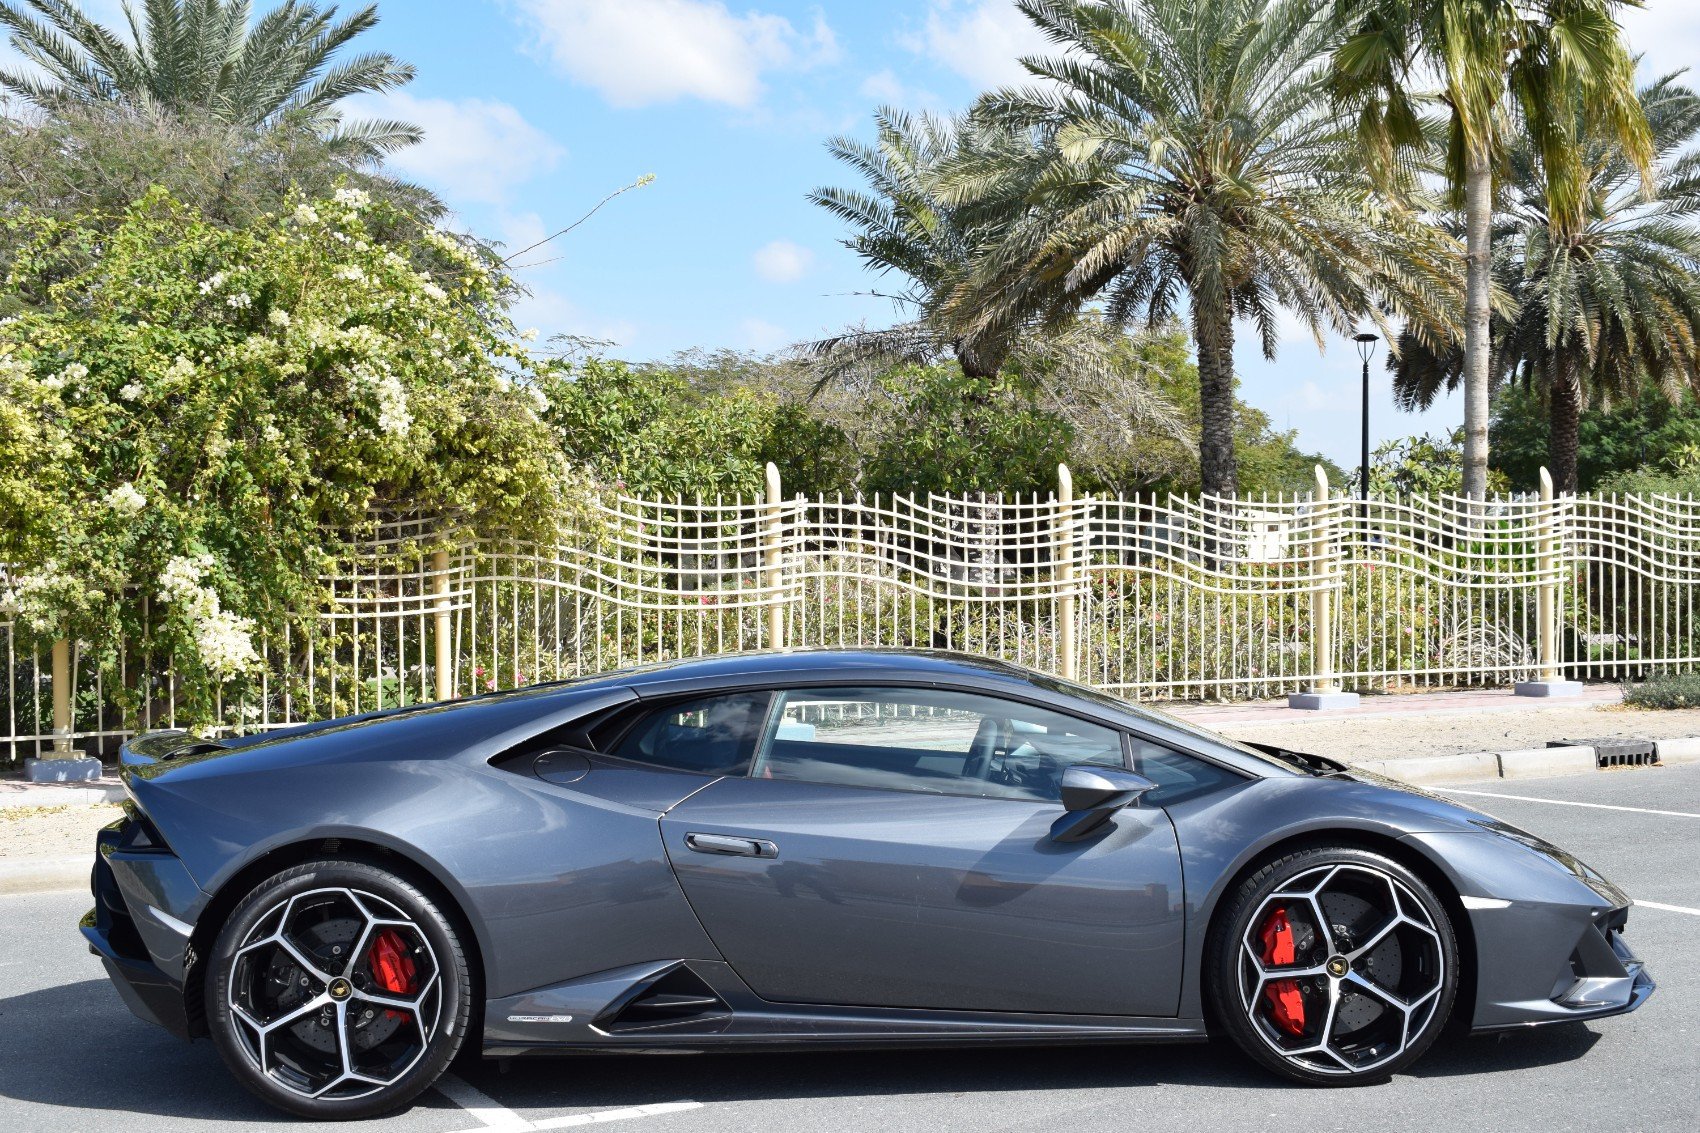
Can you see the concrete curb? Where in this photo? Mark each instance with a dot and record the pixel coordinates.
(18, 795)
(39, 875)
(1520, 763)
(1541, 762)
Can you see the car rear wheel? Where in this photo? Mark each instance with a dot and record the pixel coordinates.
(1333, 966)
(337, 990)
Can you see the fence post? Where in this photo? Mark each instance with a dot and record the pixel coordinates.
(773, 557)
(1325, 574)
(1065, 574)
(445, 646)
(62, 763)
(1548, 681)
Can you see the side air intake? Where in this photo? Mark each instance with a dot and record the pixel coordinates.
(668, 999)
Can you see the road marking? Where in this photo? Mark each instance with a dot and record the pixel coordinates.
(615, 1114)
(480, 1105)
(1567, 802)
(498, 1118)
(1667, 908)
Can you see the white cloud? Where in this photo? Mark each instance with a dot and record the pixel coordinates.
(638, 52)
(981, 40)
(885, 88)
(474, 152)
(762, 335)
(782, 261)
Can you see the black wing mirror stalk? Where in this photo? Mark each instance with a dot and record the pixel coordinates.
(1090, 795)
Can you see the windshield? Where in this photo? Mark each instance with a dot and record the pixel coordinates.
(1206, 738)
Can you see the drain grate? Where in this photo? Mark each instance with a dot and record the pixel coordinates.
(1616, 751)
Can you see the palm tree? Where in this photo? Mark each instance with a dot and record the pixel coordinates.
(1600, 306)
(1506, 70)
(1193, 153)
(209, 60)
(903, 223)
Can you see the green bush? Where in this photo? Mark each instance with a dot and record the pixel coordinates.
(1665, 690)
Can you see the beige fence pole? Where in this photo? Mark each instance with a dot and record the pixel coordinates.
(1064, 575)
(62, 700)
(445, 645)
(1324, 690)
(774, 560)
(1548, 681)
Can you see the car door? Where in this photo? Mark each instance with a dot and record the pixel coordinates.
(890, 847)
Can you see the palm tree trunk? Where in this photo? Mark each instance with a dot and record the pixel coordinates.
(1566, 414)
(1478, 215)
(1218, 468)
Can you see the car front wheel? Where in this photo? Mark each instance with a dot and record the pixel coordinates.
(1334, 966)
(337, 990)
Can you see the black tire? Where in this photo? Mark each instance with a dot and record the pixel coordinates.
(338, 990)
(1351, 1001)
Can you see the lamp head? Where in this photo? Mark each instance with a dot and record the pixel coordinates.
(1366, 344)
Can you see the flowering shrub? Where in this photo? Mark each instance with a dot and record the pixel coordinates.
(187, 412)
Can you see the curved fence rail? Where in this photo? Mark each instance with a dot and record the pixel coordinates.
(1154, 598)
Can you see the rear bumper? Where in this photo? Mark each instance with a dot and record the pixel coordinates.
(136, 929)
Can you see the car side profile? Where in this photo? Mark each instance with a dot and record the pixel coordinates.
(850, 849)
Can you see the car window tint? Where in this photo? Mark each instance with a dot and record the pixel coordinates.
(933, 740)
(1178, 776)
(714, 735)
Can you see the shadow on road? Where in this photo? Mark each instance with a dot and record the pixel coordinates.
(76, 1046)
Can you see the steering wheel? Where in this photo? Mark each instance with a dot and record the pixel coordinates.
(989, 738)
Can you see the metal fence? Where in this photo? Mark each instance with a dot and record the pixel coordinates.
(1171, 599)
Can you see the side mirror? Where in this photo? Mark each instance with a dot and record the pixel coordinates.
(1090, 795)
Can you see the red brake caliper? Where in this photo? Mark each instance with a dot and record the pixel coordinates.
(1286, 1005)
(392, 968)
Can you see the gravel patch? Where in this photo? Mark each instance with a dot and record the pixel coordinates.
(1351, 738)
(54, 831)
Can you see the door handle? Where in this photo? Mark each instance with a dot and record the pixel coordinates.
(727, 844)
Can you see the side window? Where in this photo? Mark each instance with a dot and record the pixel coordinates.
(714, 735)
(945, 742)
(1178, 776)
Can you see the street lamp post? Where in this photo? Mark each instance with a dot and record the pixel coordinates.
(1366, 349)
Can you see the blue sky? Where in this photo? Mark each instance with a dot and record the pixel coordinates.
(536, 109)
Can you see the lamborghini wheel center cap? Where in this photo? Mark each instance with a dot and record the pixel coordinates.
(1337, 967)
(340, 988)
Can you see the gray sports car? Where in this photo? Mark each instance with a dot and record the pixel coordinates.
(846, 849)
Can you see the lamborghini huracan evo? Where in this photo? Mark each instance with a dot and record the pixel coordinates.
(841, 849)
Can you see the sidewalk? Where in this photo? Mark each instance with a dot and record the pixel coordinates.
(1382, 706)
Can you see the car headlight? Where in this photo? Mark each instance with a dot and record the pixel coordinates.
(1574, 865)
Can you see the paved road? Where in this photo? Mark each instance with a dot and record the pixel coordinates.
(72, 1058)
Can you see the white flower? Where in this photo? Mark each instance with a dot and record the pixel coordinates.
(529, 334)
(538, 398)
(213, 282)
(180, 370)
(351, 273)
(125, 500)
(354, 198)
(241, 301)
(225, 642)
(434, 291)
(277, 316)
(132, 392)
(306, 214)
(54, 381)
(393, 417)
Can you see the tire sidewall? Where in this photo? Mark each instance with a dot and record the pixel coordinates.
(453, 1013)
(1247, 898)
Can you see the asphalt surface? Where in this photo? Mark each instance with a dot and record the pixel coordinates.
(72, 1058)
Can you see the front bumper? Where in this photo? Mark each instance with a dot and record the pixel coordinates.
(1528, 984)
(135, 929)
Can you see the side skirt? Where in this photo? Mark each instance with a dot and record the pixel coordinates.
(686, 1006)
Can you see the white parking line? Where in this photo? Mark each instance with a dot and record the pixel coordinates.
(498, 1118)
(1567, 802)
(480, 1105)
(1667, 908)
